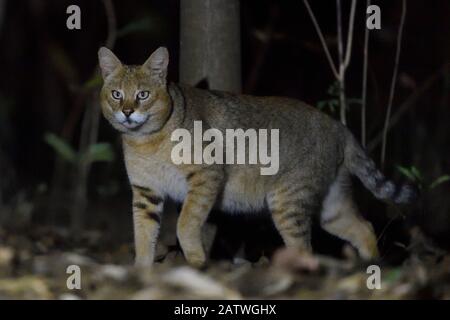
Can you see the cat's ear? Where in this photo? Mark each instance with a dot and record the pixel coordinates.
(108, 61)
(157, 64)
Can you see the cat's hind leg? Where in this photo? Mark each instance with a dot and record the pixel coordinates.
(341, 218)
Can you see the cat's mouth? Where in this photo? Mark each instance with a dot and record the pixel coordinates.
(130, 124)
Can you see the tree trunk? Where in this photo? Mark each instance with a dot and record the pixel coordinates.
(210, 49)
(210, 45)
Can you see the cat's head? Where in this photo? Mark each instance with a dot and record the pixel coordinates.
(134, 99)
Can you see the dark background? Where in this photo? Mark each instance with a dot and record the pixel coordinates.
(45, 69)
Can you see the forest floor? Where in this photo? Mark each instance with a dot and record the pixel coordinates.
(33, 265)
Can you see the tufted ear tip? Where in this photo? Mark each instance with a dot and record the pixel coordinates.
(161, 51)
(103, 51)
(157, 64)
(158, 60)
(108, 61)
(164, 51)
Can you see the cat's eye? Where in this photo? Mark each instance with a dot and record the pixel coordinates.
(116, 94)
(143, 95)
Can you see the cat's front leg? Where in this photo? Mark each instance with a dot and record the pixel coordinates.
(147, 209)
(203, 187)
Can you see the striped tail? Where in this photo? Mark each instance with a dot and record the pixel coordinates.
(358, 163)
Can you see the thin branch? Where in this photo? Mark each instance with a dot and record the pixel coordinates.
(322, 39)
(393, 83)
(341, 79)
(364, 83)
(348, 50)
(344, 57)
(339, 32)
(405, 106)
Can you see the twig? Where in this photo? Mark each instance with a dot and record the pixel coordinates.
(388, 224)
(341, 78)
(322, 39)
(393, 83)
(339, 32)
(405, 106)
(344, 57)
(364, 83)
(348, 50)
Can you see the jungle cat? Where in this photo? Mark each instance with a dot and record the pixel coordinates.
(317, 155)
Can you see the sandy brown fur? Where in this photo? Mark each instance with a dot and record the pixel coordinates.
(317, 156)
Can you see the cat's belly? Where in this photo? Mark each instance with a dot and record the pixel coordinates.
(240, 193)
(236, 202)
(243, 192)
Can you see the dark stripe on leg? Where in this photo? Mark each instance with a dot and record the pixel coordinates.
(143, 189)
(140, 205)
(154, 216)
(300, 233)
(155, 200)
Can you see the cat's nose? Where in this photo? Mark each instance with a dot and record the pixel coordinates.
(127, 112)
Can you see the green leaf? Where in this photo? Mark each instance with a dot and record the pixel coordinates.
(99, 152)
(416, 173)
(334, 89)
(61, 147)
(330, 104)
(439, 181)
(393, 275)
(407, 173)
(333, 104)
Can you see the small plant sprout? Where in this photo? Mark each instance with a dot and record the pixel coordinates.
(414, 174)
(98, 152)
(332, 104)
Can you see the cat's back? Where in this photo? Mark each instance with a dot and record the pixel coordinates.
(228, 110)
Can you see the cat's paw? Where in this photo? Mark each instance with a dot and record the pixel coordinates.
(369, 253)
(143, 262)
(196, 260)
